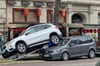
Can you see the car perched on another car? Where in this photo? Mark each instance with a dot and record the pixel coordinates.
(71, 47)
(34, 36)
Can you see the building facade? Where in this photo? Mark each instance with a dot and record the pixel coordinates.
(3, 18)
(15, 13)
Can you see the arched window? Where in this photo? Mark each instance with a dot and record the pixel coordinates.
(77, 19)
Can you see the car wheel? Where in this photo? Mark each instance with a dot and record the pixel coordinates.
(91, 54)
(54, 39)
(65, 56)
(4, 56)
(21, 48)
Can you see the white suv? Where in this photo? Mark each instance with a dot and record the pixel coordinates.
(33, 36)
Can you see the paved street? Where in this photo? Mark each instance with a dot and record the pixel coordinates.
(73, 62)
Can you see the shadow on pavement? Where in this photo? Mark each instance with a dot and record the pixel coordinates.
(40, 58)
(31, 58)
(73, 59)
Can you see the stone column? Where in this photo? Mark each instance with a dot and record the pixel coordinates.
(69, 13)
(3, 18)
(69, 16)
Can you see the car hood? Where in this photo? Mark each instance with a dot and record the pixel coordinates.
(54, 48)
(19, 37)
(14, 40)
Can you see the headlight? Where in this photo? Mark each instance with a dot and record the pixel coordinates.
(3, 47)
(50, 51)
(54, 51)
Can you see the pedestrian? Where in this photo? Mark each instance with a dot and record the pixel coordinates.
(49, 44)
(1, 42)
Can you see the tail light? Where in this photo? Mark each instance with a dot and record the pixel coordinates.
(96, 44)
(56, 27)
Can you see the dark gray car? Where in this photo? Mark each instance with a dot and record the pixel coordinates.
(70, 47)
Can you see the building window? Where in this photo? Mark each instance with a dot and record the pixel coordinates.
(32, 17)
(25, 2)
(75, 31)
(50, 4)
(38, 3)
(77, 19)
(19, 16)
(98, 18)
(50, 16)
(11, 2)
(62, 19)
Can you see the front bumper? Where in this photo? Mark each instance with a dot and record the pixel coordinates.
(7, 54)
(52, 56)
(7, 51)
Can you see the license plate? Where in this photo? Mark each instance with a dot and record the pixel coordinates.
(46, 55)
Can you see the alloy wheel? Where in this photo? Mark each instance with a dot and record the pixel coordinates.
(55, 39)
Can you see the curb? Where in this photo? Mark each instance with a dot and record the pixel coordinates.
(21, 62)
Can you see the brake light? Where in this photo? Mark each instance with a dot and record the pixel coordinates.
(56, 27)
(96, 44)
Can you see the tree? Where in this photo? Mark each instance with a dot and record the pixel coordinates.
(56, 12)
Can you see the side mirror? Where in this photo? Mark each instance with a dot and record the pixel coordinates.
(71, 44)
(27, 33)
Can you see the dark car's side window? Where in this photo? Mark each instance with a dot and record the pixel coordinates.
(73, 42)
(87, 41)
(76, 42)
(90, 40)
(79, 41)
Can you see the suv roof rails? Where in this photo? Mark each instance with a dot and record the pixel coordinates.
(34, 24)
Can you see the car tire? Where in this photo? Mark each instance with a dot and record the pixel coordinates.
(97, 55)
(91, 54)
(65, 56)
(4, 56)
(54, 39)
(21, 48)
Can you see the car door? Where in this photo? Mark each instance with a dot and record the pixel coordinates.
(75, 49)
(30, 35)
(83, 47)
(42, 33)
(85, 44)
(37, 34)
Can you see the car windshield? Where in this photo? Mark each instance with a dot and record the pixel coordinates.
(63, 42)
(22, 32)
